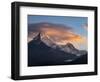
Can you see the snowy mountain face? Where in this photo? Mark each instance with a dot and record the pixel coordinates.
(46, 39)
(69, 48)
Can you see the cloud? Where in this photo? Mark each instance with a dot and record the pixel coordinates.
(62, 35)
(39, 26)
(58, 33)
(85, 26)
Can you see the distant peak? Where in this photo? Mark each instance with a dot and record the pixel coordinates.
(70, 45)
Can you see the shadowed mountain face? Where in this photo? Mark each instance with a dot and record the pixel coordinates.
(40, 54)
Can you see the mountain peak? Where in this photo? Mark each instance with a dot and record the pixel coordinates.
(38, 37)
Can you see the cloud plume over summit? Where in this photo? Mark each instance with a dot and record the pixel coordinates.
(58, 33)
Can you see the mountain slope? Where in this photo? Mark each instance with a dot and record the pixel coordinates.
(69, 48)
(40, 54)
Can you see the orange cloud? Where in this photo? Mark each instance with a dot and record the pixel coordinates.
(62, 36)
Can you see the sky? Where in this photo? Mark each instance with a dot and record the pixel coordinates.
(73, 28)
